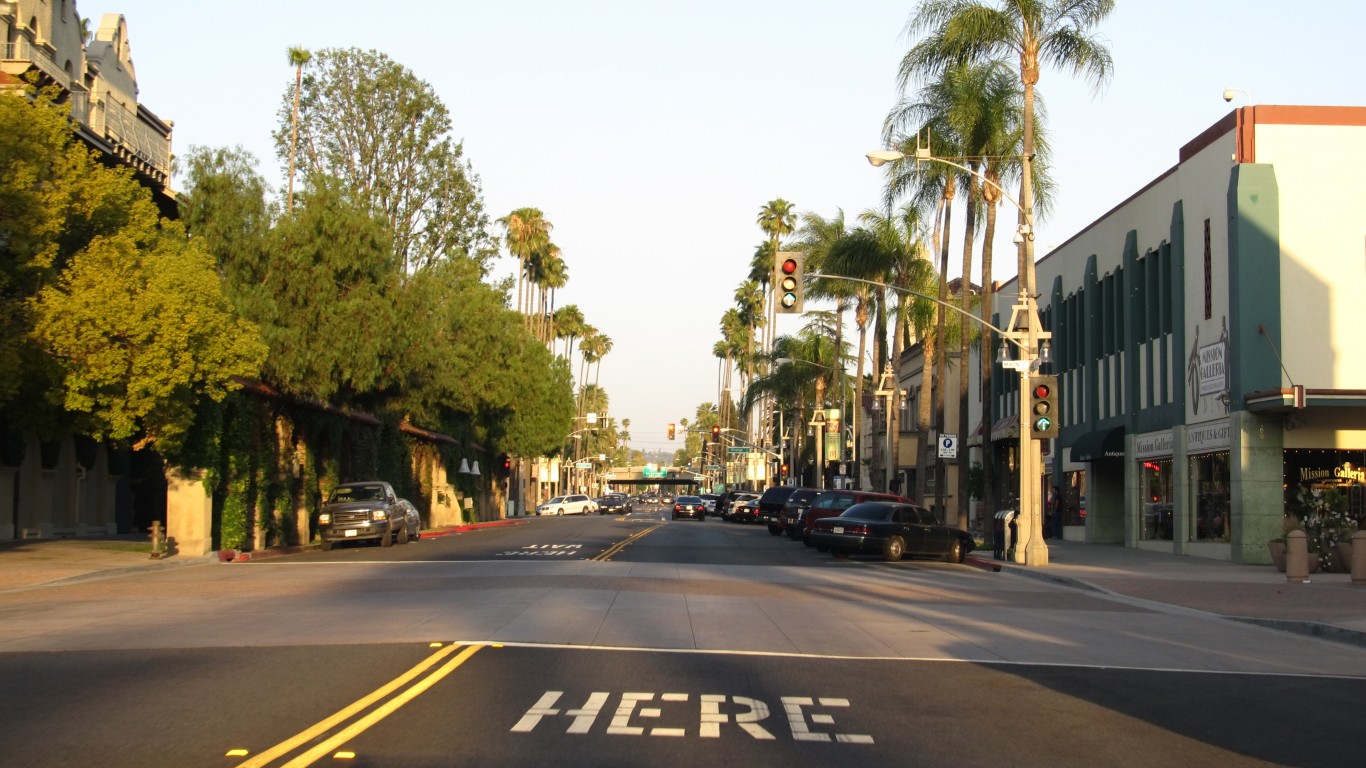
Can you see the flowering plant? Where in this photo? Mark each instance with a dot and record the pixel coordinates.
(1325, 520)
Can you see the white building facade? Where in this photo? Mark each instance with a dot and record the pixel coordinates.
(1204, 335)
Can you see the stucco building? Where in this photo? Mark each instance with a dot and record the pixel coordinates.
(1204, 335)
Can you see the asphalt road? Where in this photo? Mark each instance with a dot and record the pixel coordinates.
(605, 641)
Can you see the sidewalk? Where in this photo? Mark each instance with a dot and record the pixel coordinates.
(25, 564)
(1328, 606)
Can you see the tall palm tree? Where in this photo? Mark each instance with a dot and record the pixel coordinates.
(526, 233)
(568, 326)
(298, 57)
(901, 239)
(817, 236)
(1037, 32)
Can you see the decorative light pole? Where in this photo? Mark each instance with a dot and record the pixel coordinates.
(888, 391)
(1025, 332)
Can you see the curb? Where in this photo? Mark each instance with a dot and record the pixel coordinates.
(179, 561)
(233, 556)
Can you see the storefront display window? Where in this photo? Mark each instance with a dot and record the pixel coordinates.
(1210, 479)
(1155, 480)
(1325, 495)
(1074, 499)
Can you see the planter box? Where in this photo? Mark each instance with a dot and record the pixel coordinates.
(1277, 550)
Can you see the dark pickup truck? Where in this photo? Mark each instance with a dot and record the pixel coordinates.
(367, 511)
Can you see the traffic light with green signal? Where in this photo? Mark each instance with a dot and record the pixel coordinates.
(1043, 407)
(789, 279)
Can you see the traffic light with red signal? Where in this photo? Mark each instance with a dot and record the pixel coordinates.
(671, 430)
(789, 279)
(715, 433)
(1043, 407)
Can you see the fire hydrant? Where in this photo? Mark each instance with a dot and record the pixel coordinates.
(158, 540)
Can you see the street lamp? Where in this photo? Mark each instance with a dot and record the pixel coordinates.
(888, 390)
(1025, 331)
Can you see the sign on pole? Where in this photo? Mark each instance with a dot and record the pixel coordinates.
(948, 446)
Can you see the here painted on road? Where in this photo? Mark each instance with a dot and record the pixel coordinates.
(544, 550)
(747, 715)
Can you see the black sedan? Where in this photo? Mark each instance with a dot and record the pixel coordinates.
(891, 530)
(689, 506)
(614, 504)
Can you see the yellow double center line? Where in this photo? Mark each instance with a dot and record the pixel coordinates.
(369, 719)
(615, 549)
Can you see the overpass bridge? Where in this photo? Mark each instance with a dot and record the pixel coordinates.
(661, 476)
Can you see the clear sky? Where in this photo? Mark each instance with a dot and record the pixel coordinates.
(651, 133)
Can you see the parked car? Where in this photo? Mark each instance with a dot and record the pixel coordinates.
(368, 511)
(794, 511)
(614, 504)
(728, 498)
(709, 502)
(689, 506)
(771, 507)
(744, 508)
(833, 502)
(574, 504)
(891, 530)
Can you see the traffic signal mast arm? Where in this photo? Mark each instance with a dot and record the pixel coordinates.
(750, 445)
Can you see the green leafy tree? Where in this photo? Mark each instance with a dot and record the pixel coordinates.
(143, 331)
(372, 124)
(333, 278)
(113, 323)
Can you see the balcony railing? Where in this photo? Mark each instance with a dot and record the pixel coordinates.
(132, 138)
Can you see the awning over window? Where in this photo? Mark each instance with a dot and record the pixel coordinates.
(1006, 427)
(1101, 444)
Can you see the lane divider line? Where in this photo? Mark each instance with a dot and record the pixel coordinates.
(388, 708)
(615, 549)
(347, 712)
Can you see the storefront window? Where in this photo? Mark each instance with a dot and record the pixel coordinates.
(1155, 480)
(1074, 499)
(1325, 493)
(1210, 476)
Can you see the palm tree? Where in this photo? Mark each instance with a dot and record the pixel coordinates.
(568, 326)
(1038, 32)
(817, 236)
(526, 234)
(900, 239)
(547, 272)
(298, 57)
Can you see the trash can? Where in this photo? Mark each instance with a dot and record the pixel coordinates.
(1003, 536)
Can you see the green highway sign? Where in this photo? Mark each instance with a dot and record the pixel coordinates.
(648, 472)
(713, 467)
(738, 449)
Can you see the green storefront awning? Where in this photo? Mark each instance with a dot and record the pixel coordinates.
(1100, 444)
